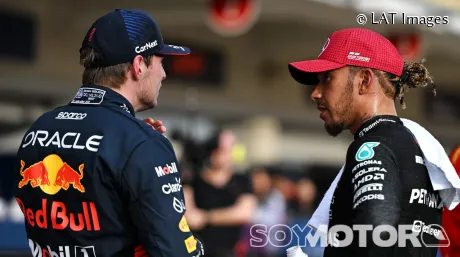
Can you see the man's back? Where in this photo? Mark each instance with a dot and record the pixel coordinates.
(82, 189)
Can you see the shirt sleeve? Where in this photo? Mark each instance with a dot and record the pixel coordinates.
(377, 193)
(156, 201)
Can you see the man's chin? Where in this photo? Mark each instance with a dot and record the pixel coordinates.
(334, 129)
(147, 106)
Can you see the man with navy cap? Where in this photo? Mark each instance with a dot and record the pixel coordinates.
(93, 179)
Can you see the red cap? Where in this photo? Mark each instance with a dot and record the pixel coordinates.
(354, 46)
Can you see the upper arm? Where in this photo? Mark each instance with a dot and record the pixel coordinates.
(156, 200)
(376, 183)
(377, 193)
(246, 199)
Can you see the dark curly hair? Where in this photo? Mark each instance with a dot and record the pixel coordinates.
(414, 75)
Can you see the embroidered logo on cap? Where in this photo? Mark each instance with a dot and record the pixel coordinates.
(325, 46)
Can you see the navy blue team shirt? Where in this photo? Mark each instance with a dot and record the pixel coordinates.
(93, 180)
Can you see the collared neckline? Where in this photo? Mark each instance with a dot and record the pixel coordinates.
(95, 95)
(376, 122)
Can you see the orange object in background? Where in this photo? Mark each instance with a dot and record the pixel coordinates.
(451, 219)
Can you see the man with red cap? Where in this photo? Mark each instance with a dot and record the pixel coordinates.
(356, 79)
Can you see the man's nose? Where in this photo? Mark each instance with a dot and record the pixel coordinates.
(164, 74)
(316, 94)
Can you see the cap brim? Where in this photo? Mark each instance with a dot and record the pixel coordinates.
(174, 50)
(306, 72)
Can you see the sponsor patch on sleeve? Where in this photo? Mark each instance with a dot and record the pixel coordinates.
(190, 243)
(366, 151)
(183, 226)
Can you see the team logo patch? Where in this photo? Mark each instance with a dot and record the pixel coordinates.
(366, 151)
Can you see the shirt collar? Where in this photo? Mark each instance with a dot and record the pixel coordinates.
(375, 123)
(95, 95)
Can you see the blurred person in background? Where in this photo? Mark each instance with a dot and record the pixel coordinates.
(357, 78)
(272, 209)
(94, 158)
(284, 184)
(451, 218)
(219, 202)
(300, 213)
(305, 197)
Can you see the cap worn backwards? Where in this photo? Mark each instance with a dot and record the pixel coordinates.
(353, 46)
(121, 35)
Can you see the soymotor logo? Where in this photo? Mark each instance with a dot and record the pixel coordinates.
(417, 234)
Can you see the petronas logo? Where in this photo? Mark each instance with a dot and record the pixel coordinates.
(366, 151)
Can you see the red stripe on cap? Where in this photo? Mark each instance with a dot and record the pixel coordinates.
(91, 34)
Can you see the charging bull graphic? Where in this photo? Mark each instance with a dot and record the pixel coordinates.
(66, 176)
(51, 175)
(36, 174)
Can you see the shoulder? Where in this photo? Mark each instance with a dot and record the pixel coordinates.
(397, 139)
(391, 147)
(135, 133)
(122, 132)
(370, 151)
(365, 148)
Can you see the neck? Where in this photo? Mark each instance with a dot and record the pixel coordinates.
(130, 95)
(365, 116)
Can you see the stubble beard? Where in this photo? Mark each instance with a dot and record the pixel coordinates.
(344, 105)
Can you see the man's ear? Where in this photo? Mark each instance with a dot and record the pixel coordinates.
(137, 68)
(366, 78)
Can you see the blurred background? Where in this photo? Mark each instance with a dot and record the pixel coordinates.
(231, 105)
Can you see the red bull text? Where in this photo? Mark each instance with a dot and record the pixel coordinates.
(60, 218)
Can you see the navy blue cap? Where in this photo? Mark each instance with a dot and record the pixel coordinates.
(121, 35)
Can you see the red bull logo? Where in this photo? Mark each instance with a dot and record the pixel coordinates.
(52, 175)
